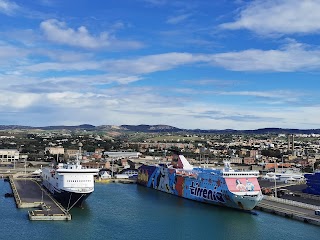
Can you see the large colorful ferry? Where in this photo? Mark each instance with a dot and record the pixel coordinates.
(226, 187)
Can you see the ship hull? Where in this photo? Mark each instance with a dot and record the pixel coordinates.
(199, 186)
(66, 198)
(70, 187)
(71, 199)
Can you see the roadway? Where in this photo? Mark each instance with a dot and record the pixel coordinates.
(289, 210)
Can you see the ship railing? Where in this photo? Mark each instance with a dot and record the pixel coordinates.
(240, 174)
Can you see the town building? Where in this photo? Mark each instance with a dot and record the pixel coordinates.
(54, 150)
(71, 153)
(236, 160)
(249, 160)
(9, 155)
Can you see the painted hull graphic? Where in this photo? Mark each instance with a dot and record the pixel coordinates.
(203, 185)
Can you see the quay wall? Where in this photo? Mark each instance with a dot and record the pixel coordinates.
(288, 214)
(290, 209)
(292, 203)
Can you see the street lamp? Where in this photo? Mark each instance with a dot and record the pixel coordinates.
(112, 168)
(275, 179)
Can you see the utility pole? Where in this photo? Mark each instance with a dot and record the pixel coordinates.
(112, 168)
(275, 179)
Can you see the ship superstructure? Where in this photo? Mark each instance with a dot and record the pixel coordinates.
(70, 183)
(227, 187)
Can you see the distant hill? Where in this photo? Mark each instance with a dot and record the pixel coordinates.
(162, 128)
(79, 127)
(151, 128)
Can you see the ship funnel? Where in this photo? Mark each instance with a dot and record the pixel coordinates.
(179, 161)
(183, 163)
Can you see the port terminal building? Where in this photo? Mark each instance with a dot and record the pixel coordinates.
(9, 155)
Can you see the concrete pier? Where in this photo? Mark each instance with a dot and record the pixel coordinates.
(29, 194)
(290, 209)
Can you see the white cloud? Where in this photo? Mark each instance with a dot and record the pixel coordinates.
(63, 66)
(156, 2)
(178, 19)
(279, 17)
(139, 65)
(59, 32)
(289, 58)
(211, 82)
(11, 52)
(272, 97)
(15, 100)
(293, 57)
(44, 85)
(129, 105)
(8, 7)
(154, 63)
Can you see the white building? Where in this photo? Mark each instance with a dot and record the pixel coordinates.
(236, 159)
(9, 155)
(122, 154)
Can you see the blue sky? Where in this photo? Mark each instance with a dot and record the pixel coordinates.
(190, 64)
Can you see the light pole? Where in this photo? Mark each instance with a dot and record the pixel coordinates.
(41, 195)
(112, 168)
(275, 178)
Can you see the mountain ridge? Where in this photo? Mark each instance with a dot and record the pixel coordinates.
(161, 128)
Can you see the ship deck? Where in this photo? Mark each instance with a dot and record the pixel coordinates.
(29, 194)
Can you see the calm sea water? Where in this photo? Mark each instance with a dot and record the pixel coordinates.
(129, 211)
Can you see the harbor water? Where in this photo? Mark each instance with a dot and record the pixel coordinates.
(129, 211)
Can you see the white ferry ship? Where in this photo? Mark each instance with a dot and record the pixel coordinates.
(289, 175)
(69, 183)
(225, 187)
